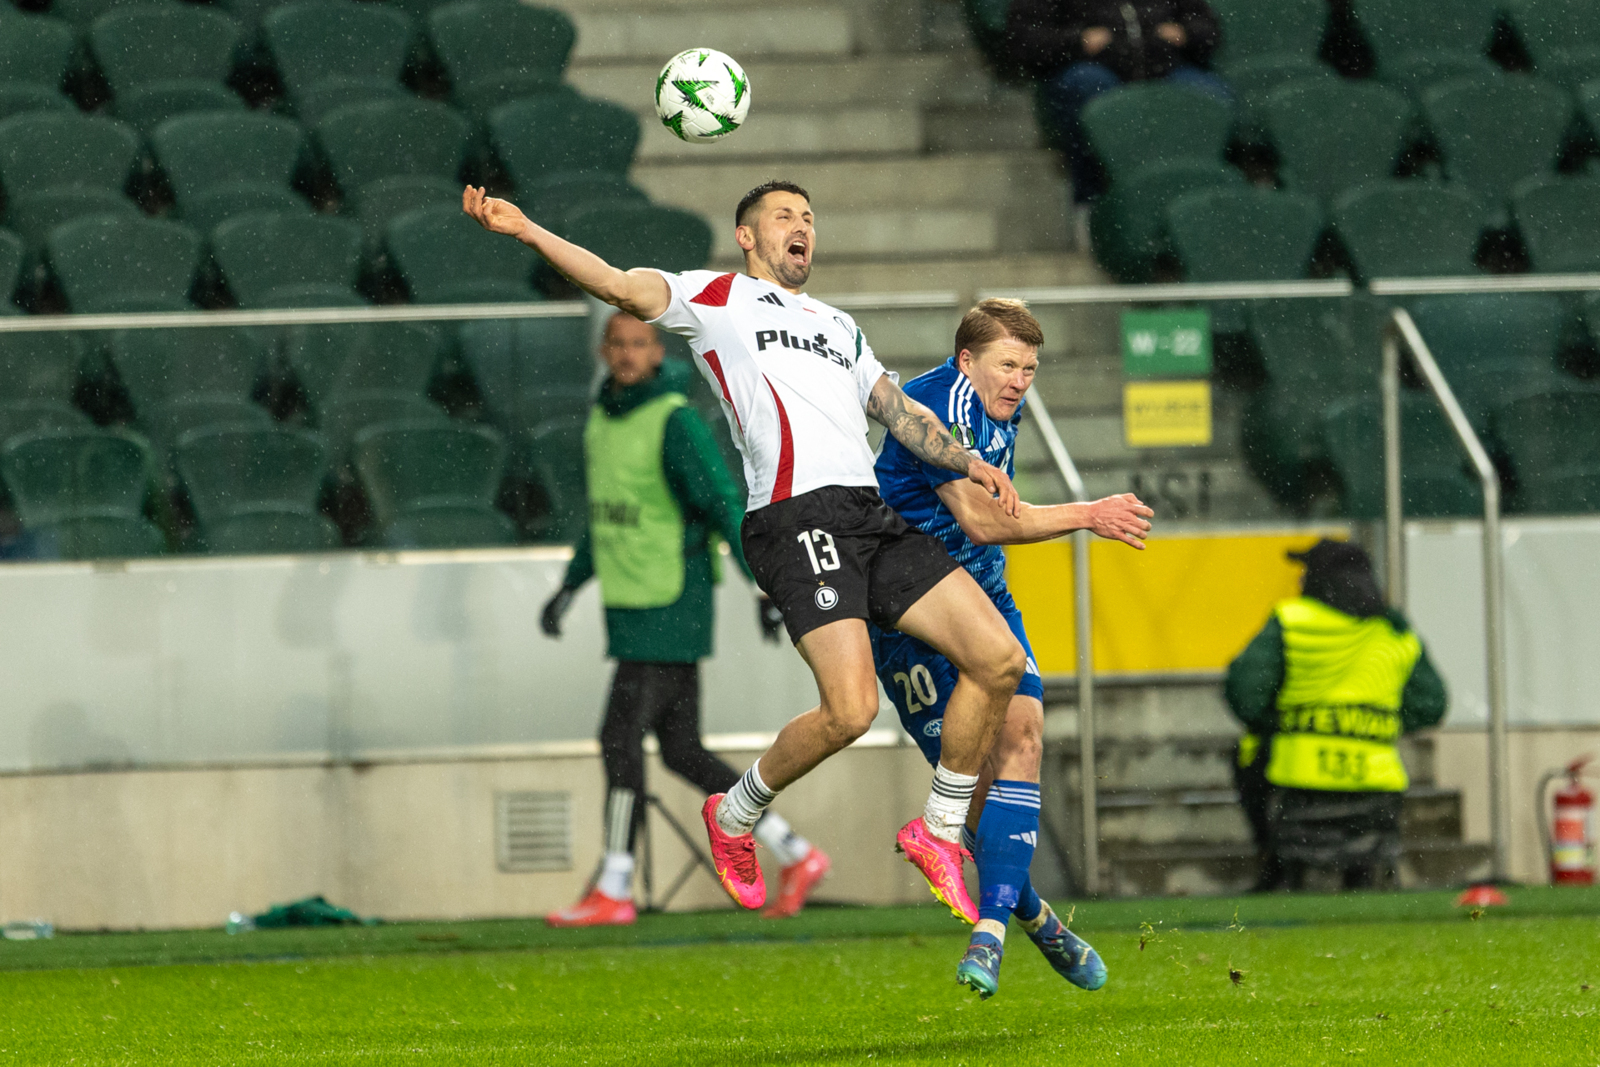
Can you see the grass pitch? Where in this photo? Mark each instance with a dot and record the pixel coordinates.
(1390, 979)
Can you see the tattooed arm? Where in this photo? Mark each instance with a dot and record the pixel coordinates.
(920, 430)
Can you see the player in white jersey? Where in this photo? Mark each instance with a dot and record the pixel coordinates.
(797, 381)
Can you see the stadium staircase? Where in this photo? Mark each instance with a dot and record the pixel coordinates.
(1170, 821)
(927, 176)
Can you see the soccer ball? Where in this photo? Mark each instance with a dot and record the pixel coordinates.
(702, 95)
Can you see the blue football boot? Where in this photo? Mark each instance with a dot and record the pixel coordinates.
(1072, 957)
(979, 969)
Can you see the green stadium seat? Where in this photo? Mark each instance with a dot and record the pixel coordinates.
(344, 415)
(65, 474)
(289, 260)
(642, 235)
(546, 451)
(326, 97)
(1332, 136)
(1417, 73)
(1254, 28)
(166, 421)
(1552, 440)
(497, 51)
(137, 46)
(432, 485)
(328, 52)
(36, 50)
(1397, 29)
(447, 258)
(1251, 234)
(97, 537)
(542, 403)
(542, 137)
(1128, 223)
(110, 264)
(1494, 132)
(1562, 37)
(221, 164)
(391, 157)
(1137, 126)
(1491, 346)
(255, 488)
(342, 359)
(39, 366)
(19, 98)
(1408, 229)
(1589, 103)
(56, 166)
(1254, 81)
(1234, 235)
(1433, 483)
(552, 203)
(11, 253)
(157, 366)
(28, 416)
(1559, 219)
(147, 107)
(515, 360)
(83, 13)
(1316, 353)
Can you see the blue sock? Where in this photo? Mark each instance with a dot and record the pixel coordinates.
(1008, 831)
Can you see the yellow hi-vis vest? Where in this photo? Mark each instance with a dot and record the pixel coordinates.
(1339, 705)
(635, 524)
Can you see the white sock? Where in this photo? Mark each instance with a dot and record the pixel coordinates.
(749, 797)
(777, 837)
(616, 876)
(948, 802)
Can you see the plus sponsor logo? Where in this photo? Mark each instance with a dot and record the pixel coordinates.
(817, 346)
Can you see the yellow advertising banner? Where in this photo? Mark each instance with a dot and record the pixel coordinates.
(1183, 604)
(1166, 414)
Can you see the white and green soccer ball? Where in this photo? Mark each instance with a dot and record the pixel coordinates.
(702, 95)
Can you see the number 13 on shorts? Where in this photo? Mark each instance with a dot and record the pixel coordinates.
(820, 550)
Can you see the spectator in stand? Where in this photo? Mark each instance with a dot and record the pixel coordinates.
(1079, 49)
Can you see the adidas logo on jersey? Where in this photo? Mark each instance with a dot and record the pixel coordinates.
(770, 298)
(1027, 837)
(996, 442)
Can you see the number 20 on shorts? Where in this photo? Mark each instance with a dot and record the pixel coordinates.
(921, 693)
(820, 549)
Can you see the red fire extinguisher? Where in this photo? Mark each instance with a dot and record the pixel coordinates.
(1568, 840)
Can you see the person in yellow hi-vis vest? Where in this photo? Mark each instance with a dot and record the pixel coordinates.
(659, 497)
(1325, 691)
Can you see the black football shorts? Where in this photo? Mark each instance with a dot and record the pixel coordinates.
(840, 552)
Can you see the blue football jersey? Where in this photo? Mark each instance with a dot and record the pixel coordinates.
(907, 483)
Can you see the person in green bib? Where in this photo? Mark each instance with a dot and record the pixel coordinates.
(660, 502)
(1325, 691)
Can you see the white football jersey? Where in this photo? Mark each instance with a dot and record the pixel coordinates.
(794, 375)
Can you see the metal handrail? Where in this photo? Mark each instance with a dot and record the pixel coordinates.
(1082, 603)
(1175, 292)
(1401, 334)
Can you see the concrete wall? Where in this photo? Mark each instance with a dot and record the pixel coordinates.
(181, 848)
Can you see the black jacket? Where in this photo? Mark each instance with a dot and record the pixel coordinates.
(1047, 35)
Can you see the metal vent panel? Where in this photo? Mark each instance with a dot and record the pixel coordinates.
(533, 831)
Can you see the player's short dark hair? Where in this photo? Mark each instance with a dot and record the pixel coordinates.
(997, 318)
(753, 197)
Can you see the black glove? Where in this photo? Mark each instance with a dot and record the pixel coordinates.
(770, 618)
(554, 608)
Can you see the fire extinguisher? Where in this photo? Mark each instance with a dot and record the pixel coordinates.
(1568, 842)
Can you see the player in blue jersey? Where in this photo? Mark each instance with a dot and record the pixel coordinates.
(979, 394)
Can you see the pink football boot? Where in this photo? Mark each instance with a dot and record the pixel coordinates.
(940, 863)
(734, 859)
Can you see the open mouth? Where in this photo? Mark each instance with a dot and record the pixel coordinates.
(797, 248)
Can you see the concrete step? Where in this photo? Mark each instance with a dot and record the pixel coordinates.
(770, 136)
(656, 32)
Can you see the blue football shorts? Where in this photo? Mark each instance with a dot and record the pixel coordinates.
(920, 680)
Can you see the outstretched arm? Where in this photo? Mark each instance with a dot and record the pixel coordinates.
(920, 430)
(640, 292)
(1123, 517)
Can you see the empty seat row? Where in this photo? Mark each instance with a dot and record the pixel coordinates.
(165, 55)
